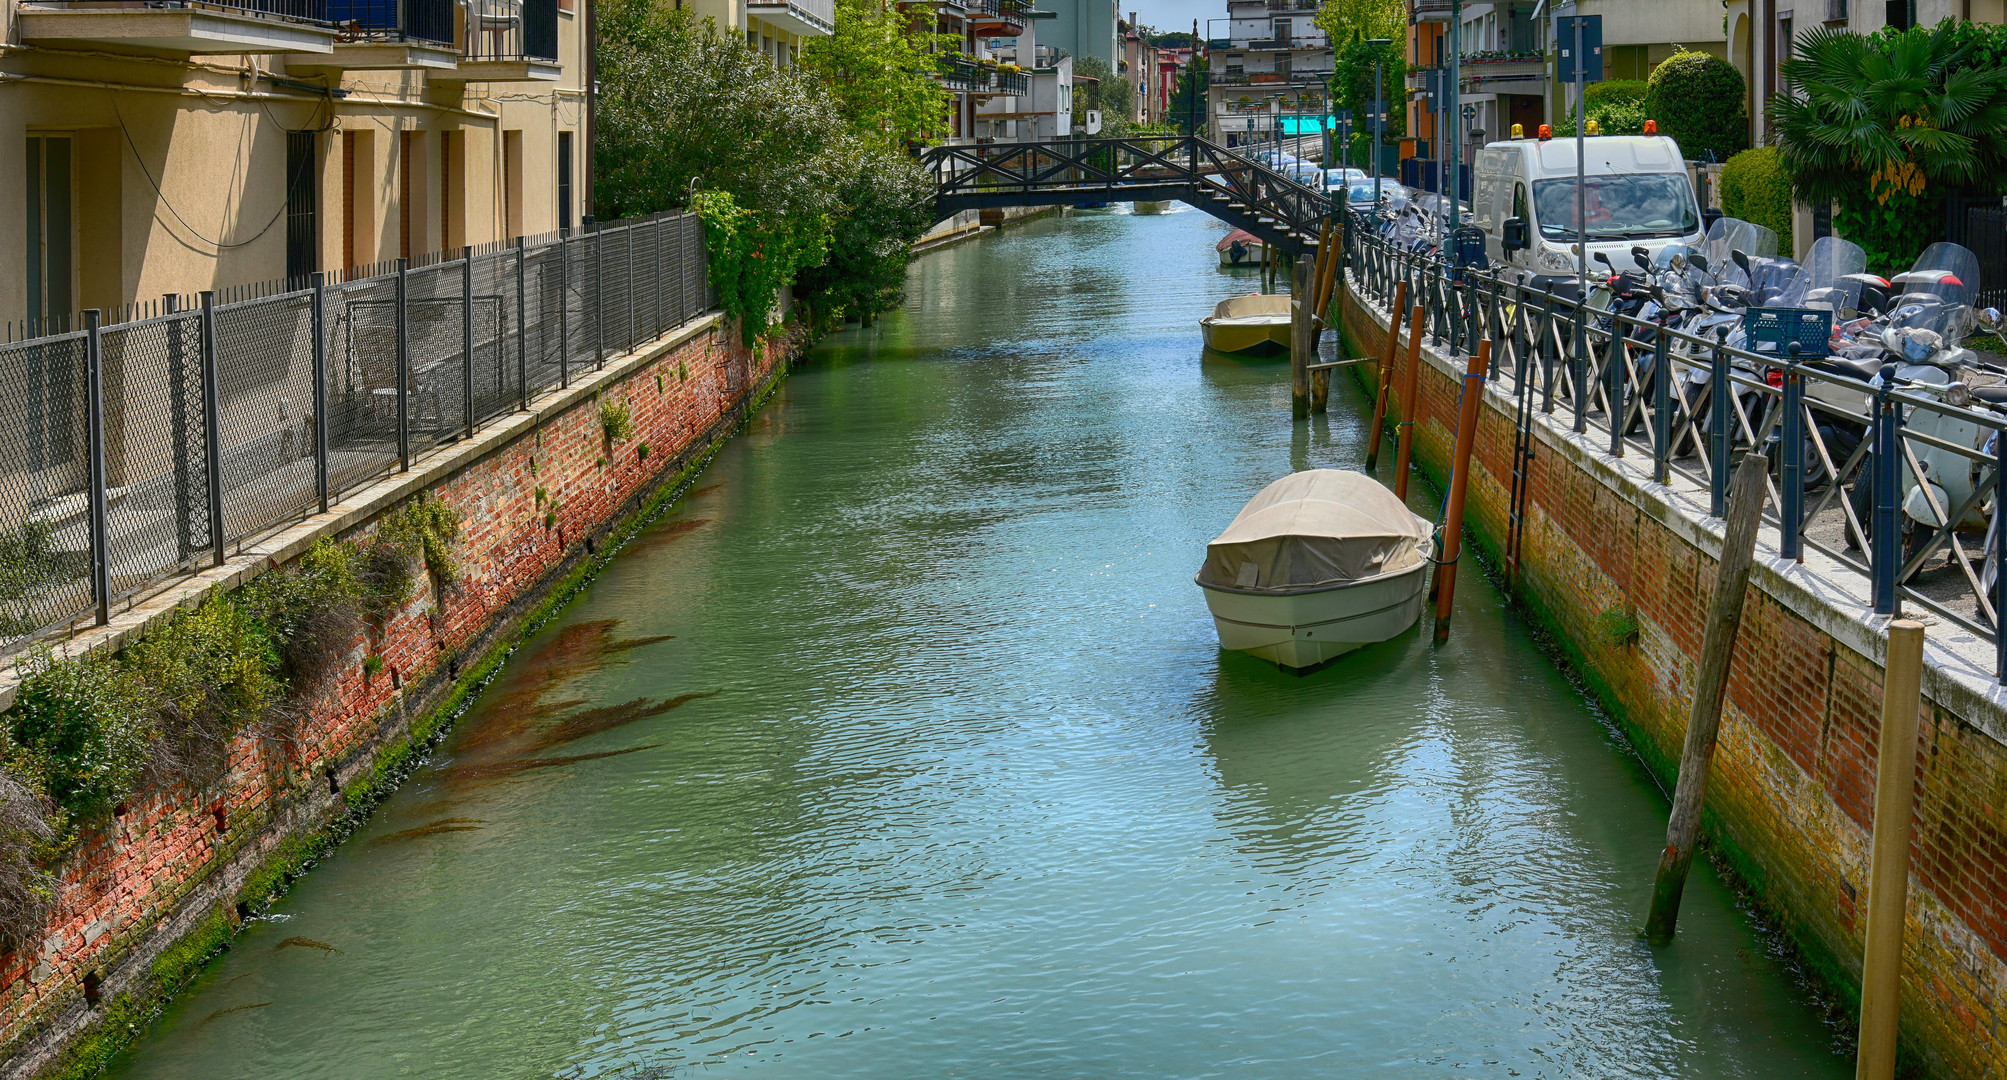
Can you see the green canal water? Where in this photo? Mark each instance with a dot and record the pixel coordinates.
(903, 748)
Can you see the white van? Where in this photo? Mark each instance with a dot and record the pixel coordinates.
(1636, 188)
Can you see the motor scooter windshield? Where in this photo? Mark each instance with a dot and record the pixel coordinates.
(1822, 279)
(1728, 236)
(1938, 293)
(1680, 279)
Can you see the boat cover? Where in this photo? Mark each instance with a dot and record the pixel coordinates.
(1265, 306)
(1322, 527)
(1240, 236)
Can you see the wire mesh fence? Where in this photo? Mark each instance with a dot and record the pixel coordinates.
(149, 444)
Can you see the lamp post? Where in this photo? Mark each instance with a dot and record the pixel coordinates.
(1379, 111)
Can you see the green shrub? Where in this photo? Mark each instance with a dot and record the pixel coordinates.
(27, 566)
(616, 418)
(1697, 100)
(1615, 92)
(313, 611)
(1612, 117)
(207, 674)
(424, 528)
(83, 730)
(1755, 189)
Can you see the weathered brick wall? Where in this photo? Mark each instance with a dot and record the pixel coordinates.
(165, 862)
(1791, 796)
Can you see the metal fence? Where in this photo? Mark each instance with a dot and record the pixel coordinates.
(136, 450)
(1845, 452)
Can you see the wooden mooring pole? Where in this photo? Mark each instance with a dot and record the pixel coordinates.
(1724, 615)
(1386, 374)
(1328, 254)
(1404, 442)
(1888, 870)
(1302, 346)
(1466, 437)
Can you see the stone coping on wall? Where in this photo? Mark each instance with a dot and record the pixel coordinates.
(1830, 595)
(428, 469)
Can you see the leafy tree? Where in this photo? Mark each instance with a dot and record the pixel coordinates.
(1352, 88)
(888, 204)
(1111, 93)
(875, 65)
(1181, 39)
(1755, 189)
(1347, 21)
(1697, 100)
(1882, 126)
(1190, 84)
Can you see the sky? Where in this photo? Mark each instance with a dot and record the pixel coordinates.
(1169, 15)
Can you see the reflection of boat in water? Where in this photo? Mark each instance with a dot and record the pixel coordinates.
(1240, 248)
(1244, 323)
(1146, 207)
(1316, 565)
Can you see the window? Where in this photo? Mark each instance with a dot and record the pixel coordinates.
(358, 191)
(512, 184)
(303, 237)
(1519, 201)
(452, 190)
(1634, 206)
(406, 143)
(51, 254)
(564, 180)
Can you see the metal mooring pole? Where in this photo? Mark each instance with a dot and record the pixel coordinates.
(1387, 374)
(1466, 436)
(1724, 615)
(1888, 872)
(1404, 442)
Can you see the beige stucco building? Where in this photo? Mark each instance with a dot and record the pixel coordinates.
(777, 28)
(170, 148)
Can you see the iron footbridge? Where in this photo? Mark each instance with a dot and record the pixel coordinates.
(1075, 172)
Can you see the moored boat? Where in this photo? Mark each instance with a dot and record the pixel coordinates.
(1316, 565)
(1240, 248)
(1255, 322)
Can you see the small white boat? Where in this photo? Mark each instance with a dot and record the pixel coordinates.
(1316, 565)
(1142, 206)
(1257, 321)
(1240, 248)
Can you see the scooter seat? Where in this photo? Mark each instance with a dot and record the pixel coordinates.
(1992, 395)
(1864, 370)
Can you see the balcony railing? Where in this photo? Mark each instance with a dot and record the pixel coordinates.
(958, 72)
(509, 30)
(1292, 77)
(394, 20)
(312, 11)
(1011, 13)
(1013, 82)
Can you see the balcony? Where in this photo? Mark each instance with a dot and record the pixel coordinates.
(998, 18)
(1428, 11)
(1292, 5)
(506, 41)
(961, 74)
(807, 18)
(183, 27)
(382, 35)
(1272, 79)
(1013, 82)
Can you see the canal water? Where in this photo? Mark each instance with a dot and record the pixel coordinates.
(903, 748)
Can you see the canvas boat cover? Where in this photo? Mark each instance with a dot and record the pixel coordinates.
(1256, 307)
(1319, 528)
(1241, 236)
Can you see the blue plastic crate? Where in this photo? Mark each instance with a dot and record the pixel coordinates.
(1768, 330)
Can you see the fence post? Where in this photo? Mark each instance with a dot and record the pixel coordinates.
(522, 329)
(662, 322)
(1547, 357)
(1717, 428)
(1791, 469)
(1662, 386)
(94, 401)
(1578, 363)
(1615, 361)
(403, 368)
(627, 251)
(564, 309)
(320, 390)
(598, 295)
(467, 340)
(1888, 448)
(212, 423)
(180, 421)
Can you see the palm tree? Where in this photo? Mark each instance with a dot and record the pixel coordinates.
(1895, 113)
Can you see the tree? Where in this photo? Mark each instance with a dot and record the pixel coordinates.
(1190, 85)
(1697, 100)
(876, 65)
(1882, 126)
(1352, 88)
(1347, 21)
(1110, 93)
(1181, 39)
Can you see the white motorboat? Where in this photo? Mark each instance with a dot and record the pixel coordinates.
(1255, 322)
(1240, 248)
(1316, 565)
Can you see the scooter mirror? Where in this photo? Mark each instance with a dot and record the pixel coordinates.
(1642, 256)
(1990, 319)
(1698, 261)
(1604, 258)
(1741, 258)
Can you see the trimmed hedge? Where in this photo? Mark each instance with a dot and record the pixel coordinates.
(1755, 189)
(1697, 99)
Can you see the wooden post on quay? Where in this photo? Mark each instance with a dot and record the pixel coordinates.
(1466, 437)
(1404, 442)
(1888, 870)
(1320, 380)
(1301, 350)
(1724, 614)
(1386, 374)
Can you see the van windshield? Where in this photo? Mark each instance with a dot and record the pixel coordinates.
(1634, 206)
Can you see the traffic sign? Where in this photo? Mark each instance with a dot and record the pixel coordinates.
(1592, 48)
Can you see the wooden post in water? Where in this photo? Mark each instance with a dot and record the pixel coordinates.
(1320, 380)
(1466, 437)
(1302, 351)
(1888, 870)
(1724, 614)
(1386, 374)
(1404, 442)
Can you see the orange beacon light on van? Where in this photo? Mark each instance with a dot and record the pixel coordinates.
(1546, 131)
(1651, 127)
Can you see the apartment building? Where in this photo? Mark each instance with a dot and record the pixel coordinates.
(1275, 60)
(1139, 66)
(777, 28)
(173, 146)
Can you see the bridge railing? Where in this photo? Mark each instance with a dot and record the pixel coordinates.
(1845, 453)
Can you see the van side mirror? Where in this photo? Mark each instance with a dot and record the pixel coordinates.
(1513, 237)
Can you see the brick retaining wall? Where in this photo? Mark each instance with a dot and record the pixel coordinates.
(1791, 796)
(171, 861)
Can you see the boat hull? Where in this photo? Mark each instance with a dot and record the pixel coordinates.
(1250, 255)
(1302, 630)
(1245, 335)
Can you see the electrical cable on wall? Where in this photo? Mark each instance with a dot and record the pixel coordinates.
(162, 195)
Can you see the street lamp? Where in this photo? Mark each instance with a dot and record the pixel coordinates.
(1379, 111)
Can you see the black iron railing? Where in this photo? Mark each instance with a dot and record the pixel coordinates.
(314, 11)
(394, 20)
(510, 30)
